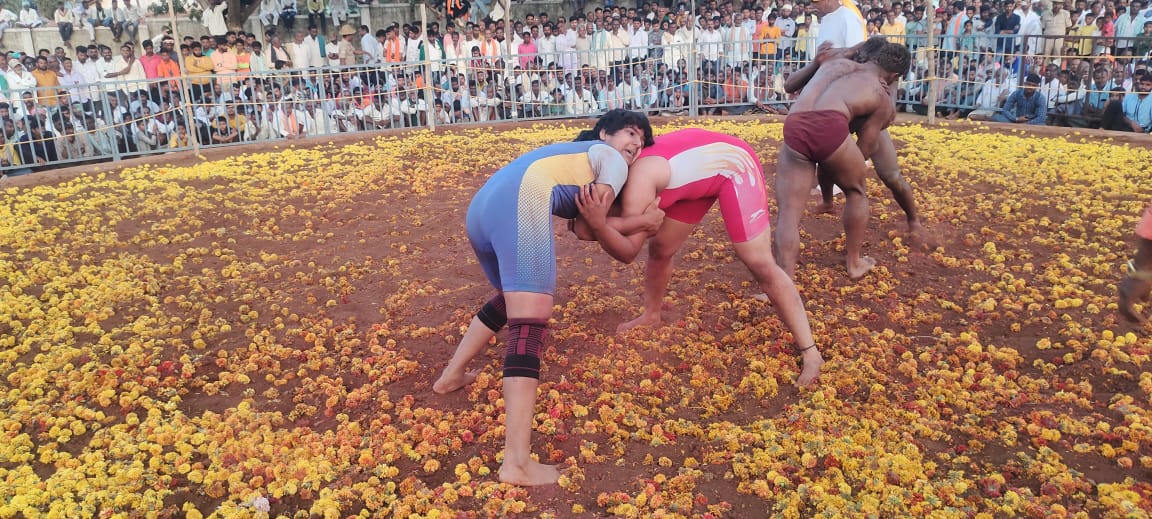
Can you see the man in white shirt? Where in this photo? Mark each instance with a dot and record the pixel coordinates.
(1127, 27)
(300, 52)
(371, 51)
(546, 46)
(637, 40)
(840, 27)
(1050, 86)
(711, 43)
(86, 65)
(787, 29)
(214, 20)
(579, 99)
(1030, 28)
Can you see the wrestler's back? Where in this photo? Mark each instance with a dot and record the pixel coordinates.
(841, 85)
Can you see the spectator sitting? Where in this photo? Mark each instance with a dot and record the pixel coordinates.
(35, 146)
(64, 19)
(1138, 105)
(1025, 105)
(29, 17)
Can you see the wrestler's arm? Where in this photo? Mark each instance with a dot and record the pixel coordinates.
(868, 139)
(824, 53)
(638, 198)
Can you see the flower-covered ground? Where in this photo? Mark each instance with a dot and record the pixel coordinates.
(261, 332)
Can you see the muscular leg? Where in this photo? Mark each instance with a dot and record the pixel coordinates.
(658, 270)
(826, 191)
(520, 405)
(847, 166)
(793, 182)
(757, 256)
(888, 169)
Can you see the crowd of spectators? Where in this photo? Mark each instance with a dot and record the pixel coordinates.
(1019, 62)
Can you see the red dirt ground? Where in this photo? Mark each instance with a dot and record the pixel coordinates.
(446, 260)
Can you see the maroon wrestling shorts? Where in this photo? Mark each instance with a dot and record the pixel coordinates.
(816, 135)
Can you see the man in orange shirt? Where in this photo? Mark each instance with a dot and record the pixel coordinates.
(768, 33)
(168, 68)
(47, 82)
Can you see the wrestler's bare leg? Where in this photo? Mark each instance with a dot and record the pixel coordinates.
(658, 270)
(756, 254)
(888, 169)
(827, 191)
(520, 405)
(846, 166)
(794, 174)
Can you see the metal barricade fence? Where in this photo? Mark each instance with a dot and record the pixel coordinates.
(112, 120)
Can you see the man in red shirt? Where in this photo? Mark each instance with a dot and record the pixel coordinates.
(150, 61)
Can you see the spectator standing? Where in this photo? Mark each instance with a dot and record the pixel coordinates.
(1007, 24)
(19, 80)
(1056, 21)
(224, 59)
(315, 45)
(1127, 27)
(127, 69)
(345, 51)
(47, 83)
(150, 60)
(73, 83)
(200, 69)
(214, 18)
(787, 30)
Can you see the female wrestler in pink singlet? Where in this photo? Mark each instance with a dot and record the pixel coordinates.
(688, 171)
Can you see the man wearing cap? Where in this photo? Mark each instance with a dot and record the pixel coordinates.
(1056, 21)
(345, 52)
(787, 30)
(1025, 105)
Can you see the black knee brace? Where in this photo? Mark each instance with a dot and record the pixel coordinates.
(494, 314)
(525, 340)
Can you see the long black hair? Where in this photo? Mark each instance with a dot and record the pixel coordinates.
(616, 120)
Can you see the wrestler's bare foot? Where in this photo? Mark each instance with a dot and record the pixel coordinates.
(859, 268)
(828, 208)
(530, 475)
(645, 319)
(450, 382)
(813, 361)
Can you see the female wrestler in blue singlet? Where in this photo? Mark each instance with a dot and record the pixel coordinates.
(510, 226)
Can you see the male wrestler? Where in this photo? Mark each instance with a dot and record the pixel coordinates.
(842, 28)
(686, 172)
(816, 131)
(509, 223)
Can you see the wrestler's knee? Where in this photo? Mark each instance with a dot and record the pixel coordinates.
(525, 342)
